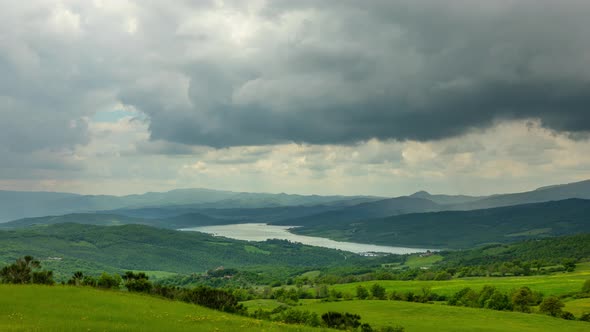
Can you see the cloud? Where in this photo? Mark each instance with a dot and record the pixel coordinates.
(239, 73)
(403, 93)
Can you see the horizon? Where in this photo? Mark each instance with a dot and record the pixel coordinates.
(302, 194)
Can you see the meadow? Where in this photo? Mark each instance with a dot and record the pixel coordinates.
(553, 284)
(61, 308)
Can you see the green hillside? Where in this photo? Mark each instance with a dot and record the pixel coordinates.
(42, 308)
(417, 317)
(463, 229)
(66, 248)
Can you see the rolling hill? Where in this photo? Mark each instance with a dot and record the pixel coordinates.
(63, 247)
(58, 308)
(463, 229)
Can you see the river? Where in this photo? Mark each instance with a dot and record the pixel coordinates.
(263, 232)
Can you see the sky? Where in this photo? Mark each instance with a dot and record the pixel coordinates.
(382, 97)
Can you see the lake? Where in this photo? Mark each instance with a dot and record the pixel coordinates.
(263, 232)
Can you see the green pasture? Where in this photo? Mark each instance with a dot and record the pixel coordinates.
(416, 317)
(554, 284)
(61, 308)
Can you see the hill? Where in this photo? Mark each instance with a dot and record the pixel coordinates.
(544, 194)
(64, 247)
(20, 204)
(463, 229)
(378, 209)
(42, 308)
(104, 219)
(425, 317)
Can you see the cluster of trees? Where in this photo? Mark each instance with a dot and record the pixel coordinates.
(26, 270)
(521, 299)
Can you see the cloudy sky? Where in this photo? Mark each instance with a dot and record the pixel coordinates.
(333, 96)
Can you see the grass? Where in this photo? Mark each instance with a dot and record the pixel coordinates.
(418, 317)
(60, 308)
(578, 307)
(555, 284)
(416, 261)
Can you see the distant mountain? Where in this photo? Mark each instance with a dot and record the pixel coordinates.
(543, 194)
(103, 219)
(445, 199)
(377, 209)
(17, 204)
(464, 229)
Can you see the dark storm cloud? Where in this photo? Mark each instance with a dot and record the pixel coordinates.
(389, 70)
(256, 73)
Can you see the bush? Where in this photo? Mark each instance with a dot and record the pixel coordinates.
(567, 315)
(551, 306)
(137, 282)
(341, 321)
(292, 316)
(522, 299)
(43, 278)
(586, 287)
(378, 292)
(361, 292)
(108, 281)
(585, 317)
(213, 298)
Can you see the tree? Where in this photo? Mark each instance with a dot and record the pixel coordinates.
(137, 282)
(361, 292)
(551, 306)
(77, 279)
(341, 321)
(569, 264)
(522, 298)
(378, 292)
(108, 281)
(567, 315)
(20, 271)
(498, 301)
(42, 277)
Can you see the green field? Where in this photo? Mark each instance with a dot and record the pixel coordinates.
(57, 308)
(578, 306)
(415, 317)
(437, 317)
(555, 284)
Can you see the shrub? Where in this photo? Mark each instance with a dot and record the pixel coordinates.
(43, 278)
(361, 292)
(378, 292)
(551, 306)
(567, 315)
(108, 281)
(213, 298)
(341, 321)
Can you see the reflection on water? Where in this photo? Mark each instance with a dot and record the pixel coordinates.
(263, 232)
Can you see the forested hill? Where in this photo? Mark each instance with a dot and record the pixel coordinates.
(138, 247)
(378, 209)
(548, 251)
(464, 229)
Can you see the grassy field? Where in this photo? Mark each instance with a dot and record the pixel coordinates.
(578, 307)
(58, 308)
(555, 284)
(416, 317)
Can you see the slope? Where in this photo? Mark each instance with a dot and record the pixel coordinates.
(464, 229)
(39, 308)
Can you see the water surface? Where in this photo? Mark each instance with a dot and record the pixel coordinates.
(263, 232)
